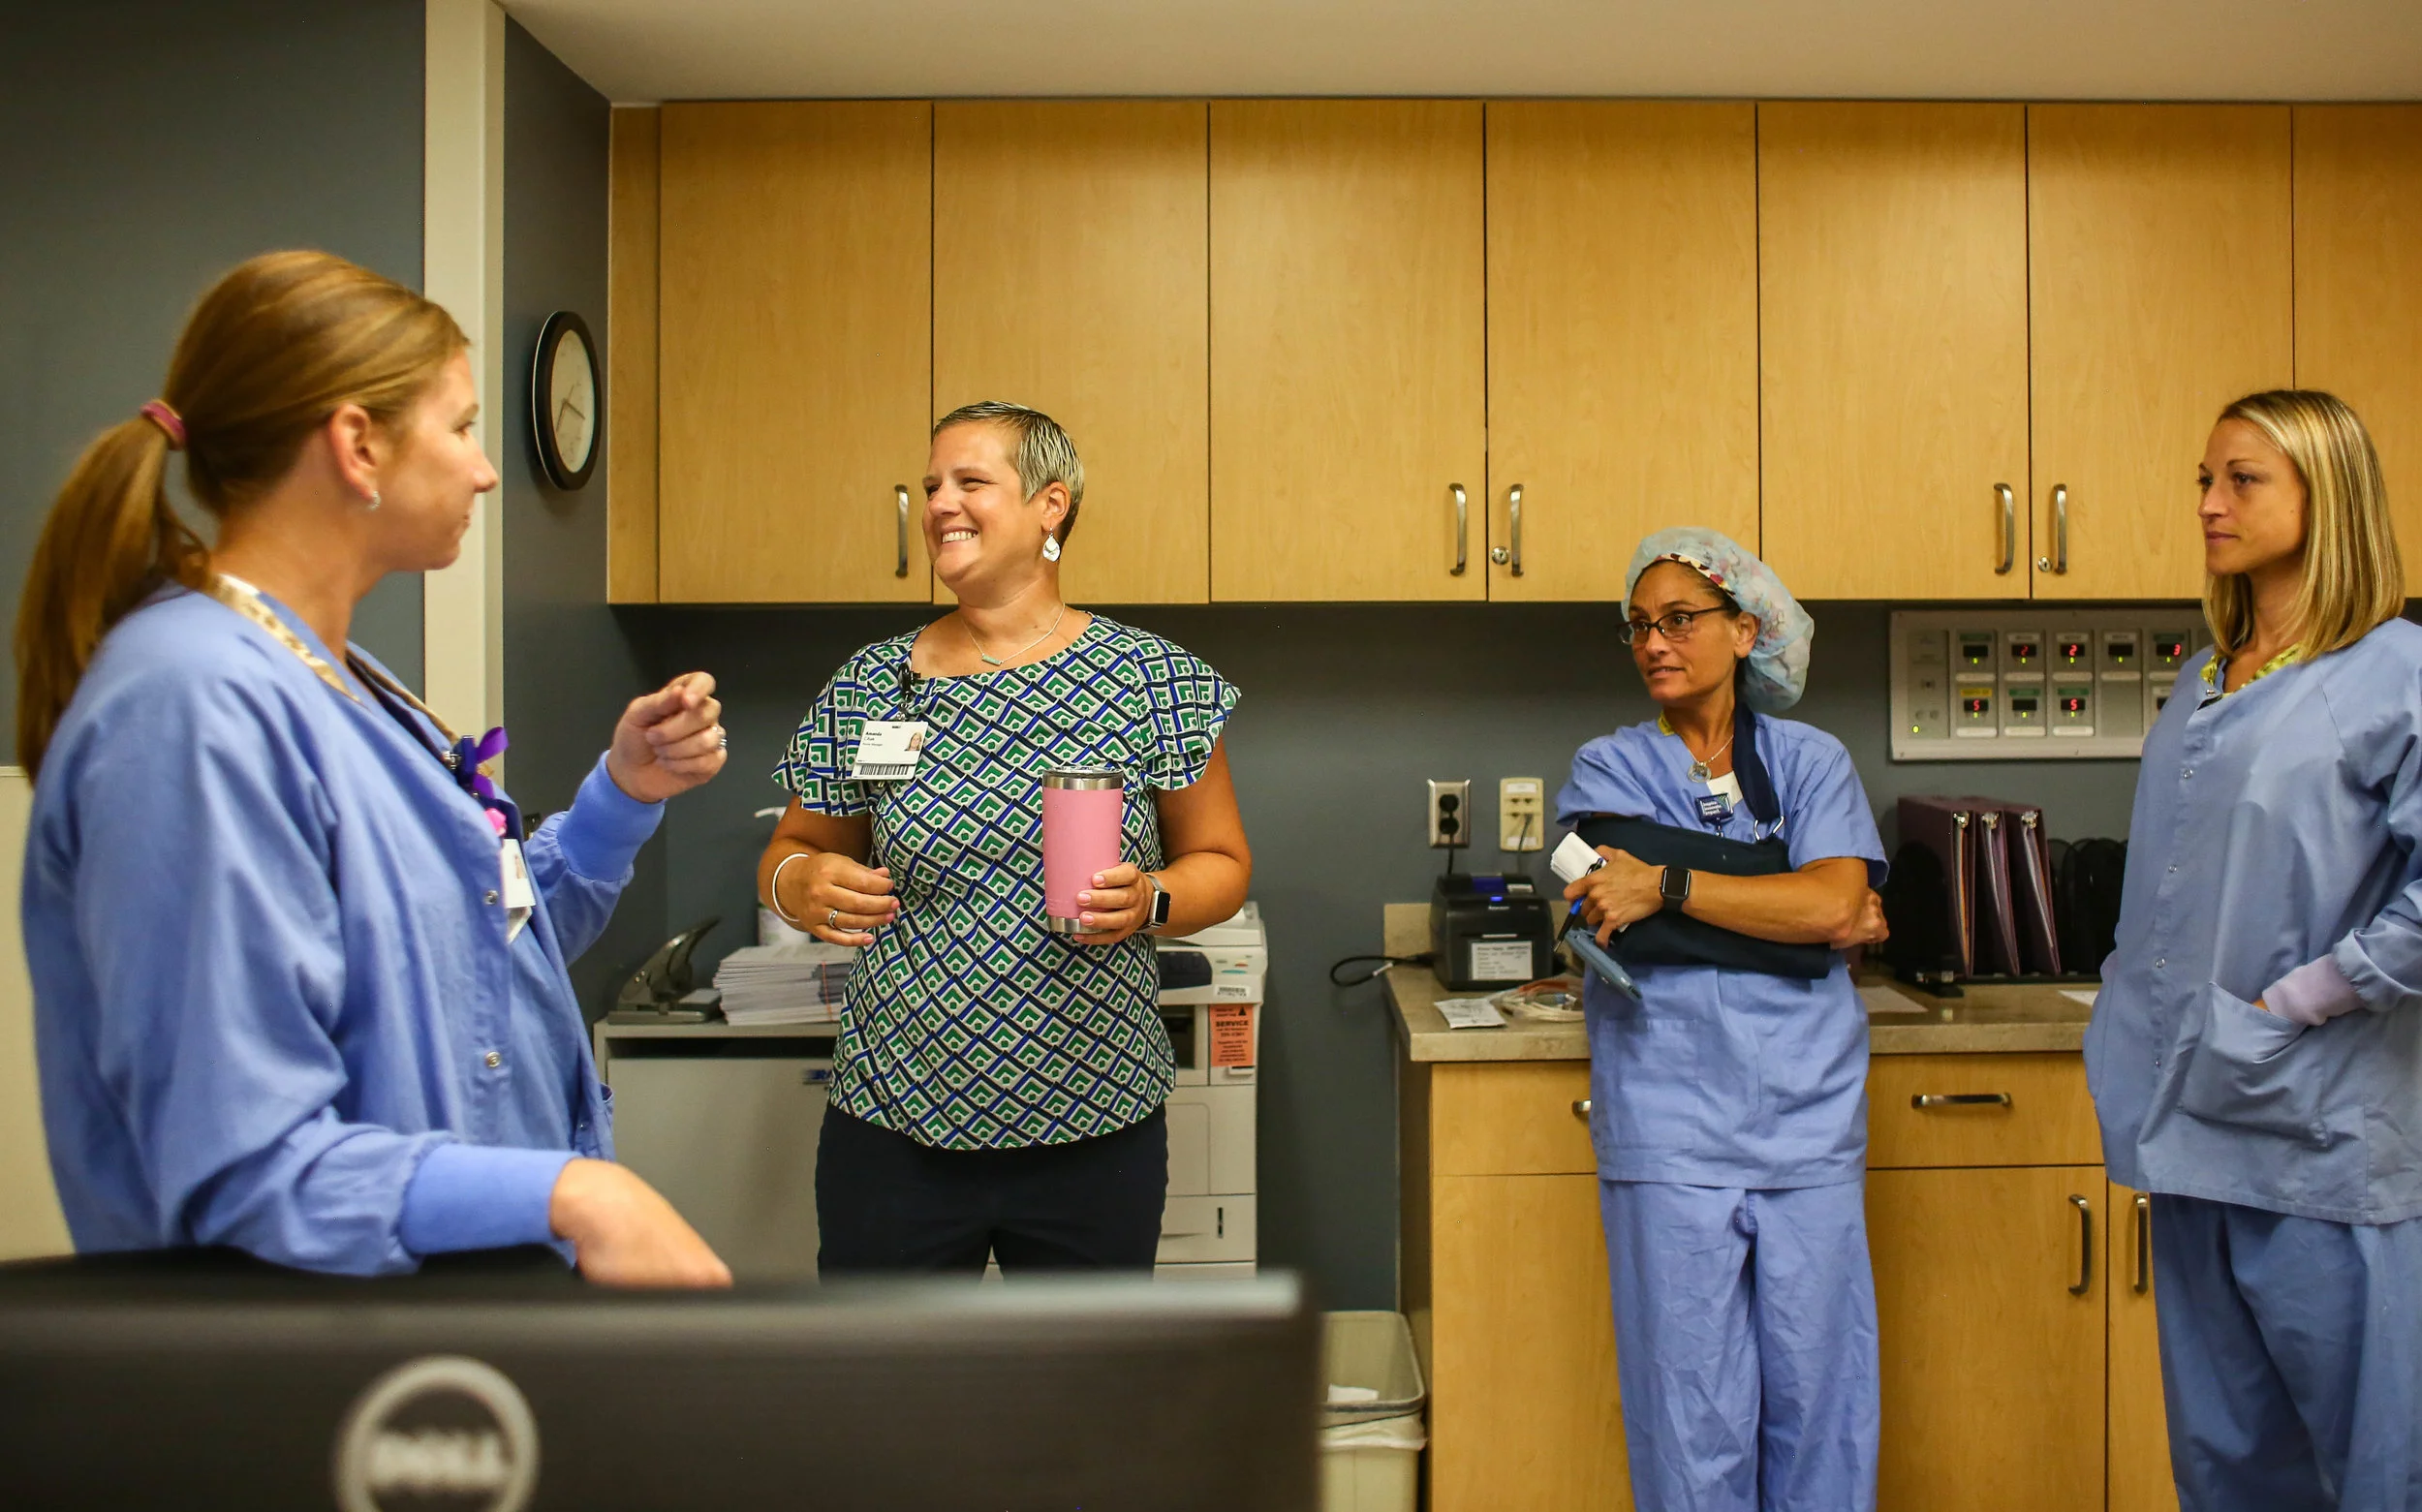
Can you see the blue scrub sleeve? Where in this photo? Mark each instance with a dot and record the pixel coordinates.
(204, 909)
(481, 1197)
(581, 860)
(2382, 958)
(1825, 812)
(1602, 783)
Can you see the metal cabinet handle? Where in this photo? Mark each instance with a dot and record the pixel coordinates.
(1463, 528)
(1580, 1107)
(901, 490)
(2085, 1246)
(2144, 1242)
(1513, 514)
(1961, 1100)
(2058, 560)
(2009, 528)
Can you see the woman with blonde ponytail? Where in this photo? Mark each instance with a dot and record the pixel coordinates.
(2256, 1050)
(299, 971)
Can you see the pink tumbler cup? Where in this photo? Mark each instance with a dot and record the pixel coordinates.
(1081, 811)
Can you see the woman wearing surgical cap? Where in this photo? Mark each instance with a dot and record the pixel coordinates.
(2256, 1050)
(1729, 1105)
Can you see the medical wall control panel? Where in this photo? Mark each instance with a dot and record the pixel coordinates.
(2022, 684)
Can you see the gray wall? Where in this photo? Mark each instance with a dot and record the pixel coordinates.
(1346, 711)
(146, 147)
(569, 667)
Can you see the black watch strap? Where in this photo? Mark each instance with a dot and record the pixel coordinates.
(1673, 885)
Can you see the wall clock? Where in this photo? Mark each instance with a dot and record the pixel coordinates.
(565, 415)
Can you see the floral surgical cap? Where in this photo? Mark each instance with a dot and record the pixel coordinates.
(1778, 662)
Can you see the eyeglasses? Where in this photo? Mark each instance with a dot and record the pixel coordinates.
(1675, 626)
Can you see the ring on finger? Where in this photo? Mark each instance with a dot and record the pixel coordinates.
(832, 918)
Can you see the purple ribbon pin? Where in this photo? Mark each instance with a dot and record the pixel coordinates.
(470, 754)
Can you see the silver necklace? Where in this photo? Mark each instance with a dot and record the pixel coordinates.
(989, 659)
(1702, 768)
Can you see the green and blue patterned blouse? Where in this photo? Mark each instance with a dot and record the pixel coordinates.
(966, 1025)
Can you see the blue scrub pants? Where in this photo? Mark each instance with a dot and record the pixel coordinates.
(1744, 1340)
(2291, 1359)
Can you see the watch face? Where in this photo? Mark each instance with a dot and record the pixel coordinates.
(572, 399)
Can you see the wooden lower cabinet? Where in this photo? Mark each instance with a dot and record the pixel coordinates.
(2139, 1434)
(1993, 1365)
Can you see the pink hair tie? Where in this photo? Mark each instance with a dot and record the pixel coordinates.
(158, 413)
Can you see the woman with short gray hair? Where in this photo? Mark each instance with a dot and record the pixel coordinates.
(998, 1087)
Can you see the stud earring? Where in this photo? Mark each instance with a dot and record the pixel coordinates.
(1051, 548)
(373, 501)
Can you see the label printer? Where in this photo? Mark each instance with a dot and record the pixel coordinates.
(1491, 931)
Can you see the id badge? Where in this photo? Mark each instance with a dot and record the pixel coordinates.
(888, 751)
(1722, 795)
(520, 898)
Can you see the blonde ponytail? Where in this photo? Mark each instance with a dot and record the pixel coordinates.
(269, 355)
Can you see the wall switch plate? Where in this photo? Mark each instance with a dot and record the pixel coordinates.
(1521, 814)
(1450, 813)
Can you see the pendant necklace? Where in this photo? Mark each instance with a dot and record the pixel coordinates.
(1702, 768)
(989, 659)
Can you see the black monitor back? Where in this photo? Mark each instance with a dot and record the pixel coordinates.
(493, 1394)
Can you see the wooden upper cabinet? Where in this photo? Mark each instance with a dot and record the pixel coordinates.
(795, 351)
(1070, 273)
(1622, 336)
(1892, 273)
(2161, 258)
(1348, 389)
(2359, 286)
(631, 357)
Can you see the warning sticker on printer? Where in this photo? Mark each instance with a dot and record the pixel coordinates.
(1501, 960)
(1231, 1036)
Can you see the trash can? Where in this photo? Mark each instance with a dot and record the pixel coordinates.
(1371, 1433)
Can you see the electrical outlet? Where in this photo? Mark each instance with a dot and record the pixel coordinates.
(1450, 813)
(1521, 818)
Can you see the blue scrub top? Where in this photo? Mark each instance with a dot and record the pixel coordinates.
(275, 1006)
(1726, 1078)
(2272, 827)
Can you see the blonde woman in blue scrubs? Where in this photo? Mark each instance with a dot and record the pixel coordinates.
(1728, 1106)
(2256, 1050)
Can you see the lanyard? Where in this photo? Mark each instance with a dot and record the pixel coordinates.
(462, 758)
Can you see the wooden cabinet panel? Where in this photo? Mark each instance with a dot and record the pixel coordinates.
(2160, 256)
(631, 358)
(1510, 1117)
(1892, 276)
(2359, 285)
(2048, 1118)
(795, 349)
(1070, 273)
(1348, 389)
(2139, 1433)
(1622, 334)
(1524, 1408)
(1993, 1370)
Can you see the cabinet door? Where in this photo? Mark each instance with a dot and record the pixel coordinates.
(795, 352)
(1892, 277)
(2139, 1428)
(2359, 285)
(1622, 336)
(1524, 1412)
(2159, 258)
(1071, 274)
(1348, 387)
(1992, 1367)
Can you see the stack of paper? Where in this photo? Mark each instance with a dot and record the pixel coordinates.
(798, 983)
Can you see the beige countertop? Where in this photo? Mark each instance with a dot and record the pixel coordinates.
(1993, 1019)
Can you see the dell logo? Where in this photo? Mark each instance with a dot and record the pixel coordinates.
(440, 1432)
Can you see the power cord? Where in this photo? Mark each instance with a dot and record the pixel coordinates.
(1373, 974)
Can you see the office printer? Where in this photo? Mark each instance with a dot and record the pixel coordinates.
(1490, 931)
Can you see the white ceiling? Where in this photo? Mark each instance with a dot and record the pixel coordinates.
(2166, 49)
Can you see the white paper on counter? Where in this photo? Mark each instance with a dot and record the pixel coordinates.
(1470, 1014)
(1885, 1000)
(2084, 995)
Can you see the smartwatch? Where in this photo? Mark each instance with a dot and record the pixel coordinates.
(1673, 885)
(1160, 902)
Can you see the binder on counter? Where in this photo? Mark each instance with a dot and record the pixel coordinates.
(2031, 881)
(1997, 913)
(1947, 828)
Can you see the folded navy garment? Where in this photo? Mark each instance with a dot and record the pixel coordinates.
(1675, 938)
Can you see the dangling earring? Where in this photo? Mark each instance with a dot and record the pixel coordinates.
(374, 500)
(1050, 548)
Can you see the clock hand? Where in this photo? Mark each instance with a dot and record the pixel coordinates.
(569, 407)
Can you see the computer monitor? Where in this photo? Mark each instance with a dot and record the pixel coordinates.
(502, 1395)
